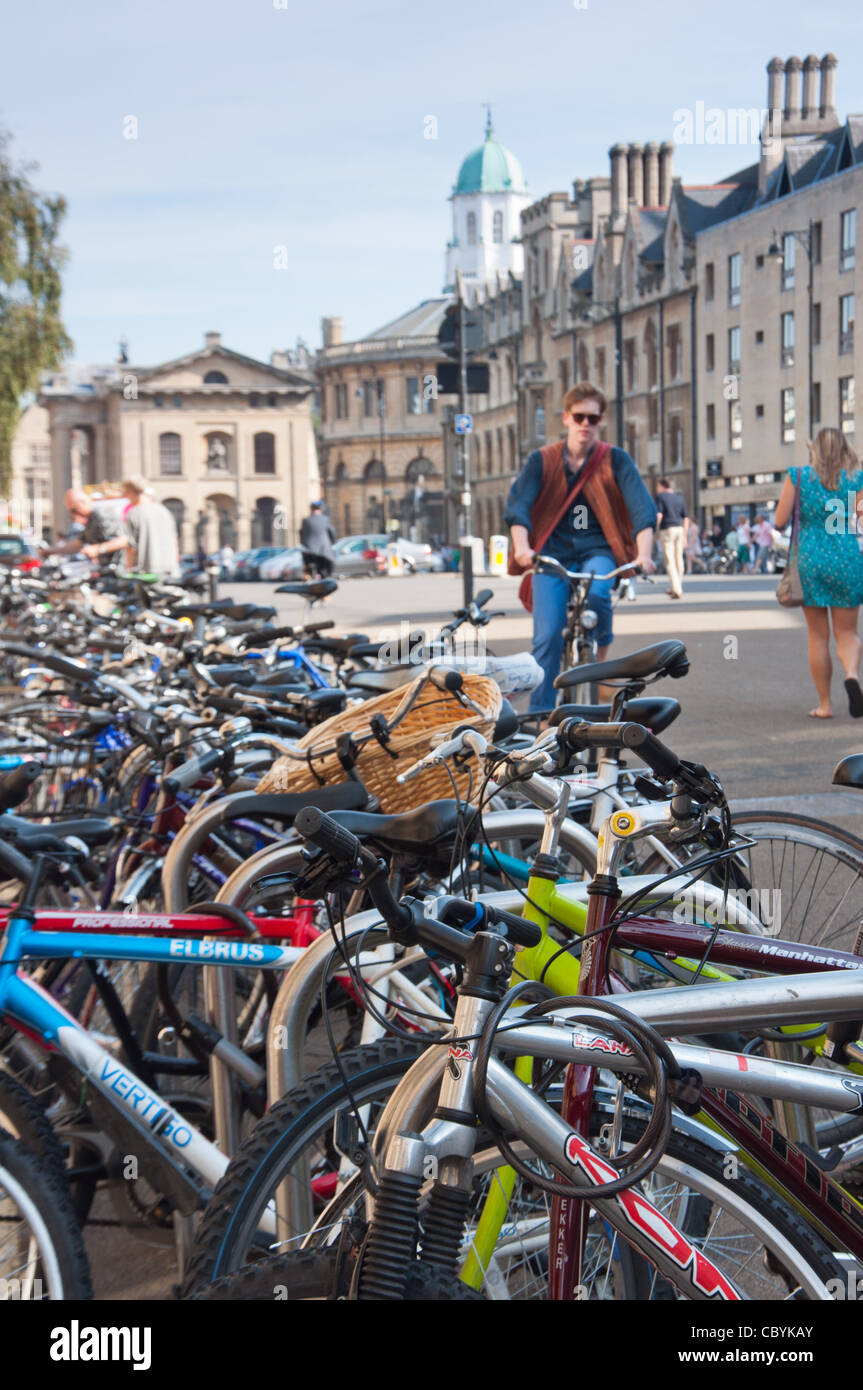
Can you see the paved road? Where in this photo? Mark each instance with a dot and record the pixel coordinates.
(744, 714)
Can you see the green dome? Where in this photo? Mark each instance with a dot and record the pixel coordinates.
(490, 169)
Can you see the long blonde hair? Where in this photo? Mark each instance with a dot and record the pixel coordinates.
(830, 453)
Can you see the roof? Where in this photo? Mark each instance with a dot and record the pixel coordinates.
(420, 322)
(703, 206)
(491, 168)
(652, 231)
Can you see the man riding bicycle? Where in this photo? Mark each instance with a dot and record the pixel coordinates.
(582, 503)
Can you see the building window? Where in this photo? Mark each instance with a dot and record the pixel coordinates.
(708, 281)
(272, 402)
(600, 367)
(734, 349)
(816, 325)
(497, 228)
(583, 373)
(471, 229)
(178, 511)
(816, 243)
(170, 456)
(630, 357)
(847, 239)
(368, 399)
(733, 280)
(414, 401)
(265, 453)
(254, 400)
(653, 416)
(177, 402)
(632, 442)
(759, 335)
(735, 425)
(675, 432)
(816, 402)
(651, 354)
(787, 333)
(215, 379)
(675, 352)
(427, 404)
(846, 323)
(846, 404)
(788, 418)
(759, 412)
(788, 253)
(539, 422)
(709, 353)
(381, 396)
(710, 426)
(158, 402)
(759, 262)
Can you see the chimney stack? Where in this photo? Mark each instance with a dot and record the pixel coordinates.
(775, 69)
(212, 340)
(619, 183)
(827, 108)
(651, 174)
(792, 89)
(666, 159)
(636, 174)
(331, 331)
(811, 67)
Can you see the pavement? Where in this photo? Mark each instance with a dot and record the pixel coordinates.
(745, 702)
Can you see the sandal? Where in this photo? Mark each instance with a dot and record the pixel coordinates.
(855, 698)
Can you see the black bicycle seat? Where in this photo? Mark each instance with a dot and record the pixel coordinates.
(668, 657)
(424, 826)
(654, 712)
(315, 589)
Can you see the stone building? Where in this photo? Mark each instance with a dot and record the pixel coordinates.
(225, 441)
(28, 506)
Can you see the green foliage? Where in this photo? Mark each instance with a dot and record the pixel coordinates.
(32, 336)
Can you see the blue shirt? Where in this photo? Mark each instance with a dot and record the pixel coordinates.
(579, 536)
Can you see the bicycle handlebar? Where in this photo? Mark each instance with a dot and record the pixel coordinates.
(15, 785)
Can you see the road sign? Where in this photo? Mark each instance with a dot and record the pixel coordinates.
(463, 424)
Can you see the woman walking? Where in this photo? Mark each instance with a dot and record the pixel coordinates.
(829, 560)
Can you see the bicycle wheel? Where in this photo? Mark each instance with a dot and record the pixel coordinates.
(41, 1251)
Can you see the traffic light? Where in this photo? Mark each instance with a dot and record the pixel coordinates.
(449, 332)
(448, 382)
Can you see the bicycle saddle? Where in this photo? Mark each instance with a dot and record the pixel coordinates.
(849, 773)
(423, 826)
(376, 682)
(30, 835)
(654, 712)
(316, 588)
(668, 657)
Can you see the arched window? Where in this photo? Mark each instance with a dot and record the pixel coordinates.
(170, 456)
(374, 472)
(651, 353)
(215, 379)
(178, 512)
(418, 468)
(583, 371)
(497, 228)
(265, 453)
(471, 229)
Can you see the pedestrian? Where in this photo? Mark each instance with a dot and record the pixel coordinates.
(829, 560)
(672, 519)
(717, 535)
(151, 546)
(763, 534)
(96, 531)
(609, 521)
(693, 550)
(316, 542)
(744, 545)
(226, 560)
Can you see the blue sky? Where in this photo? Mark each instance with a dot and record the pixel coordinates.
(302, 127)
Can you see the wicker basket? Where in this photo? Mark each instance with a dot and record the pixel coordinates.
(431, 714)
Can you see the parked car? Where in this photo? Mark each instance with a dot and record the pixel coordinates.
(17, 553)
(287, 563)
(359, 555)
(419, 558)
(247, 565)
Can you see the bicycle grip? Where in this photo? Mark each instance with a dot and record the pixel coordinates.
(15, 785)
(189, 772)
(518, 929)
(321, 830)
(659, 758)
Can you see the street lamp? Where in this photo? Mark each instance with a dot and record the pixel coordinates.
(613, 306)
(776, 252)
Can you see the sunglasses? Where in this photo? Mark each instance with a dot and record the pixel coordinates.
(580, 417)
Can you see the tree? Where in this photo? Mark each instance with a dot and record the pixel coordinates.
(32, 336)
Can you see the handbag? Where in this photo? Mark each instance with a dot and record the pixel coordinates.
(525, 588)
(789, 590)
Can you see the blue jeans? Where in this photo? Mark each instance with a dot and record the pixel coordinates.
(549, 617)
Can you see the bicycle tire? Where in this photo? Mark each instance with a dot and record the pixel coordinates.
(315, 1275)
(47, 1228)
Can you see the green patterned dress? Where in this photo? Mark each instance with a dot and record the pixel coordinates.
(829, 556)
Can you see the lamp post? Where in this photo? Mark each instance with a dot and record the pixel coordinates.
(776, 252)
(612, 306)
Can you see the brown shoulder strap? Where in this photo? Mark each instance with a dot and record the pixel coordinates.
(550, 455)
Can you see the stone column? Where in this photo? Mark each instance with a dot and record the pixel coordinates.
(666, 165)
(792, 89)
(636, 174)
(811, 67)
(775, 68)
(651, 174)
(828, 86)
